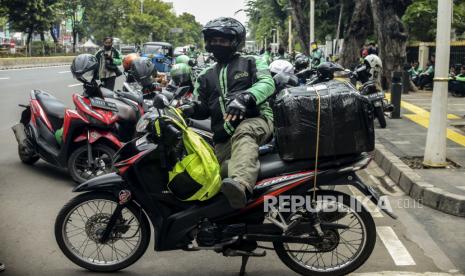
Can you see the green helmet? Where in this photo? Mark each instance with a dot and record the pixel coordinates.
(181, 74)
(182, 59)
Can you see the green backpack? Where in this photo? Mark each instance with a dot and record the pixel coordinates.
(197, 175)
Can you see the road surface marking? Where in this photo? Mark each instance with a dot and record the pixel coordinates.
(418, 110)
(461, 187)
(451, 134)
(368, 204)
(421, 117)
(30, 68)
(4, 78)
(73, 85)
(64, 72)
(394, 246)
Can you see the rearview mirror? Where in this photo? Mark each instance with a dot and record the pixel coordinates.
(181, 91)
(160, 101)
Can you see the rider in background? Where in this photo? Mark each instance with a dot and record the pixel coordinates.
(316, 55)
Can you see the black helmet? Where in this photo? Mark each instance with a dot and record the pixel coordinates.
(143, 69)
(225, 27)
(301, 63)
(84, 68)
(326, 70)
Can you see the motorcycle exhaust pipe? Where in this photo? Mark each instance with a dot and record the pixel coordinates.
(20, 134)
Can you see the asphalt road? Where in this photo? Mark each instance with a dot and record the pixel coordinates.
(421, 242)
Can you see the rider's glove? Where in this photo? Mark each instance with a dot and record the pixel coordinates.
(237, 107)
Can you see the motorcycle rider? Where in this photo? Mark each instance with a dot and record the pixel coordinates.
(234, 93)
(316, 55)
(108, 58)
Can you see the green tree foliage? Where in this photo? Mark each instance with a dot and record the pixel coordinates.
(155, 24)
(104, 18)
(420, 19)
(32, 15)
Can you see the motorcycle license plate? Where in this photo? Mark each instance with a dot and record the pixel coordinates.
(378, 95)
(99, 103)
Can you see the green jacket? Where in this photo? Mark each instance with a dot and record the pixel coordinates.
(116, 58)
(267, 57)
(460, 77)
(317, 57)
(219, 83)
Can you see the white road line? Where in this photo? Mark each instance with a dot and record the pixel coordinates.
(394, 246)
(73, 85)
(31, 68)
(368, 204)
(5, 78)
(64, 72)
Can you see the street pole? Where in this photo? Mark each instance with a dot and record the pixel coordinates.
(290, 34)
(312, 23)
(141, 6)
(277, 36)
(435, 150)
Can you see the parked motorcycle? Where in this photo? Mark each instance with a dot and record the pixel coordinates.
(119, 207)
(82, 140)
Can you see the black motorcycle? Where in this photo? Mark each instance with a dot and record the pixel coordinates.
(107, 227)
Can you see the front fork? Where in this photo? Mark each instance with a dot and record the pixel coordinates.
(90, 158)
(124, 198)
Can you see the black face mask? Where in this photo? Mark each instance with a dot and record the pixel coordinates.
(107, 48)
(222, 53)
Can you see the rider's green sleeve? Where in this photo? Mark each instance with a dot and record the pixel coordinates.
(117, 58)
(264, 87)
(460, 77)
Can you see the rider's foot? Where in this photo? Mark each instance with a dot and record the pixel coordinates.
(235, 192)
(2, 267)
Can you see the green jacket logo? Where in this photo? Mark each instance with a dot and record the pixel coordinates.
(241, 75)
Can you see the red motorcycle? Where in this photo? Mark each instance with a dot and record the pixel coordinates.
(82, 140)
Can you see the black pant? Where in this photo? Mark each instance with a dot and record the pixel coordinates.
(457, 87)
(109, 83)
(425, 80)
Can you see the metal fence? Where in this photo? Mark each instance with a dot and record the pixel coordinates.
(457, 52)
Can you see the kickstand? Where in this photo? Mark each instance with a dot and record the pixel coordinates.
(245, 259)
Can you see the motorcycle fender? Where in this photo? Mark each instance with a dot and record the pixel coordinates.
(106, 182)
(95, 135)
(373, 195)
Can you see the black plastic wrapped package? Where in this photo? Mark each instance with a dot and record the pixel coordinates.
(346, 121)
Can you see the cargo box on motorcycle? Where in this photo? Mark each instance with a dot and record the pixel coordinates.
(346, 121)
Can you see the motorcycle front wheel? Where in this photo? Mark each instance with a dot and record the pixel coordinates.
(79, 167)
(379, 112)
(81, 222)
(342, 251)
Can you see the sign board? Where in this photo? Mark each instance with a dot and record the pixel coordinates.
(176, 30)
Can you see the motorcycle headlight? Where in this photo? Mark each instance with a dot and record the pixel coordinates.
(142, 124)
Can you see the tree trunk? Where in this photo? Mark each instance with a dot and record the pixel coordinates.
(28, 42)
(300, 22)
(357, 31)
(74, 41)
(42, 38)
(55, 39)
(392, 36)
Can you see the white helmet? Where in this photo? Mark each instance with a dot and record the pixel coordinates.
(281, 66)
(374, 64)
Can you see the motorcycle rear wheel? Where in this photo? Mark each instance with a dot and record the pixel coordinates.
(27, 158)
(361, 254)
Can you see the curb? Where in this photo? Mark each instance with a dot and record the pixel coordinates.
(413, 185)
(34, 66)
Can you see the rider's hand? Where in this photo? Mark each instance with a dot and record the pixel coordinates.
(236, 108)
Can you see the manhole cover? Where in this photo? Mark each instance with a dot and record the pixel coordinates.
(416, 162)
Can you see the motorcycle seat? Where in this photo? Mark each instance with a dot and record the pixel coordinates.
(272, 165)
(53, 107)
